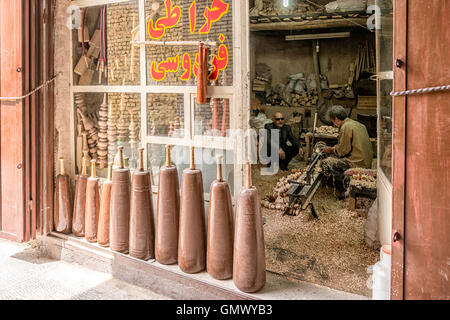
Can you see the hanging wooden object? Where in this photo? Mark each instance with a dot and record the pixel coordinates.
(142, 234)
(82, 66)
(63, 208)
(79, 207)
(120, 208)
(105, 209)
(192, 242)
(219, 253)
(249, 267)
(92, 205)
(202, 79)
(94, 49)
(167, 218)
(86, 78)
(86, 34)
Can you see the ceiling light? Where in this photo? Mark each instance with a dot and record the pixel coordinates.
(318, 36)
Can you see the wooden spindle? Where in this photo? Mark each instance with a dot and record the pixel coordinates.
(219, 168)
(192, 158)
(168, 158)
(141, 159)
(121, 163)
(110, 171)
(61, 168)
(249, 175)
(84, 167)
(93, 172)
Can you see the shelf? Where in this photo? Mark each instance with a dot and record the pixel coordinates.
(309, 21)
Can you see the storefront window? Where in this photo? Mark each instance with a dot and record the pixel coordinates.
(385, 84)
(141, 56)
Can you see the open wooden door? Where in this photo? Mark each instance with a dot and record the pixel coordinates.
(12, 178)
(421, 167)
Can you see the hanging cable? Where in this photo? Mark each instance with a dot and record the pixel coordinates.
(420, 91)
(46, 83)
(83, 19)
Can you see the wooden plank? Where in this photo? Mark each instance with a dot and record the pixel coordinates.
(399, 150)
(35, 192)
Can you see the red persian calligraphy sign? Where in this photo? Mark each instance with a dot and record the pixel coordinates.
(157, 30)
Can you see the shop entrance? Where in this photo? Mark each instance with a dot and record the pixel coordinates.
(306, 57)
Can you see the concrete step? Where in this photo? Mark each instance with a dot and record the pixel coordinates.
(170, 281)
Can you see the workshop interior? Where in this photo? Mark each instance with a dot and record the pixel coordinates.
(248, 142)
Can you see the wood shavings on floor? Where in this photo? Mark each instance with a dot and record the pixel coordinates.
(330, 251)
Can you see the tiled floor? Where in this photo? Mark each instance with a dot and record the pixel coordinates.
(25, 275)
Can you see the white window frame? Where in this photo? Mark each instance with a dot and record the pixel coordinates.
(238, 93)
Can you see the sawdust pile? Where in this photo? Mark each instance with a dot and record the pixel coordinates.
(330, 251)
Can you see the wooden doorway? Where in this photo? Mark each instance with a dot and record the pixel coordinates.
(421, 175)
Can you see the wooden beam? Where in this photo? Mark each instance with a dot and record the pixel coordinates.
(308, 25)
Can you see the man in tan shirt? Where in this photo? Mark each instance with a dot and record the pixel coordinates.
(354, 149)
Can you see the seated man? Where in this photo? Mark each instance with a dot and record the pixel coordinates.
(354, 149)
(288, 146)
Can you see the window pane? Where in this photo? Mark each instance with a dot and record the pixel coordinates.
(213, 118)
(385, 155)
(385, 53)
(205, 160)
(121, 64)
(107, 126)
(385, 35)
(191, 22)
(166, 115)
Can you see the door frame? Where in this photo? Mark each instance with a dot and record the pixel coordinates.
(399, 149)
(34, 49)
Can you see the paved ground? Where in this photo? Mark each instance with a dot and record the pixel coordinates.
(25, 275)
